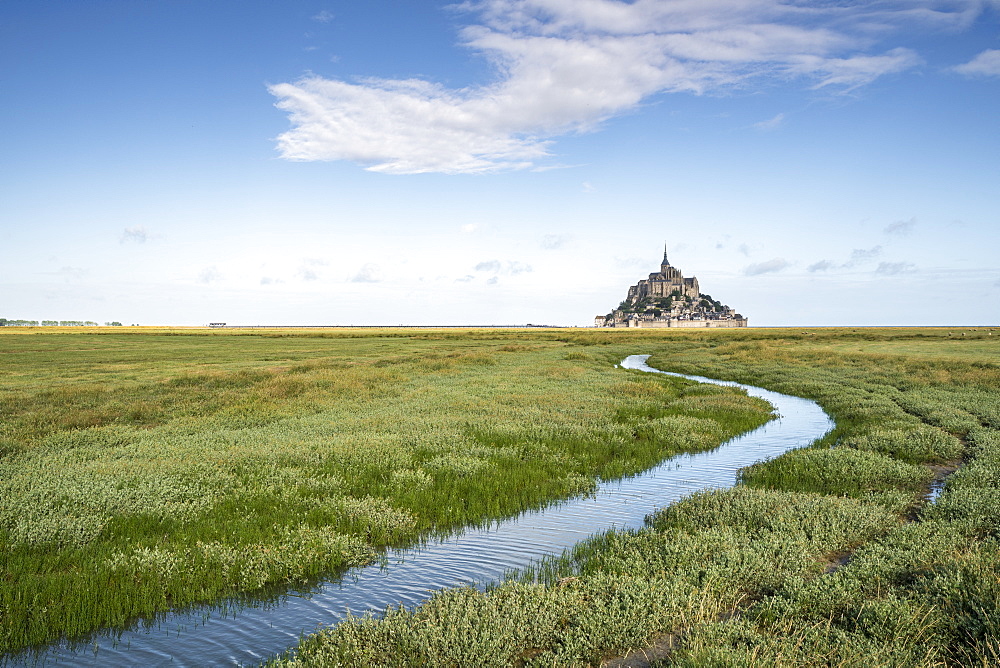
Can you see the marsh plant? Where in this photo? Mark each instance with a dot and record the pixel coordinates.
(148, 470)
(829, 555)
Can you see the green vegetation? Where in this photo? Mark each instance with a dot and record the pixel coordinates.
(146, 469)
(826, 556)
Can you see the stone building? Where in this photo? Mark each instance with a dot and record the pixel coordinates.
(669, 299)
(664, 283)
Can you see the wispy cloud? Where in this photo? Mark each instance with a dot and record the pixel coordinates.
(308, 268)
(822, 265)
(509, 268)
(771, 123)
(323, 17)
(891, 268)
(771, 266)
(136, 235)
(491, 265)
(370, 273)
(866, 256)
(555, 241)
(568, 65)
(860, 256)
(855, 71)
(72, 273)
(900, 227)
(986, 64)
(209, 275)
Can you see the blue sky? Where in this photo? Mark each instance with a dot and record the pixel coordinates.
(498, 162)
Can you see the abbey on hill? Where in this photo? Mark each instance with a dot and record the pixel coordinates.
(668, 299)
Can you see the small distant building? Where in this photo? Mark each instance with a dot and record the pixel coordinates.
(216, 324)
(669, 299)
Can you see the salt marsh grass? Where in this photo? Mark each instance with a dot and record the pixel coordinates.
(151, 469)
(825, 556)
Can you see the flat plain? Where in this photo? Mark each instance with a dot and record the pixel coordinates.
(832, 555)
(147, 469)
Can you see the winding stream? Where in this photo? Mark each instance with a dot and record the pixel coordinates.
(210, 637)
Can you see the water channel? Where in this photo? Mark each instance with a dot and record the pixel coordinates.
(248, 635)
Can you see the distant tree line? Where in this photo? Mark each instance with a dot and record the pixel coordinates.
(4, 322)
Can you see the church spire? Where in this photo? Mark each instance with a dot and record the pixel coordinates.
(665, 260)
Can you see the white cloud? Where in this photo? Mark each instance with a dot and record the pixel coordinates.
(307, 269)
(73, 273)
(891, 268)
(509, 268)
(370, 273)
(858, 256)
(491, 265)
(555, 241)
(209, 275)
(771, 123)
(862, 255)
(568, 65)
(323, 17)
(777, 264)
(900, 227)
(986, 64)
(137, 234)
(855, 71)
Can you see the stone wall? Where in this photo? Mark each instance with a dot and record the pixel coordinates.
(742, 322)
